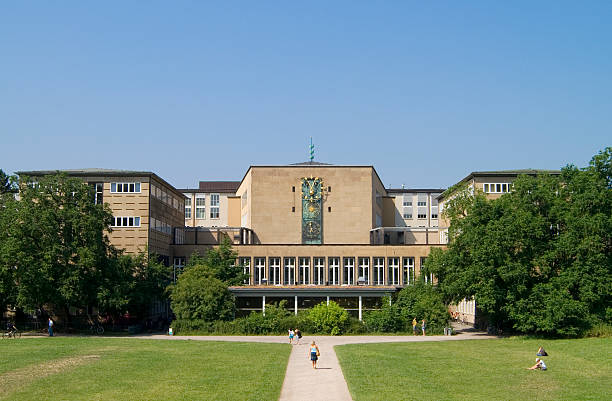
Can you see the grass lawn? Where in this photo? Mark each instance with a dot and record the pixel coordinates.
(478, 370)
(75, 368)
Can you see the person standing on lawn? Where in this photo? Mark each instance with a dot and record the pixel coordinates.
(423, 326)
(414, 325)
(50, 327)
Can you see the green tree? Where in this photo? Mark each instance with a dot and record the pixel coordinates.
(54, 242)
(222, 262)
(329, 319)
(536, 259)
(199, 295)
(423, 301)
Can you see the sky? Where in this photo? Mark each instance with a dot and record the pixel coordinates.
(426, 92)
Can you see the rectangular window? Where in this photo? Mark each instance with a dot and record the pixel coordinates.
(408, 271)
(245, 262)
(421, 203)
(200, 206)
(500, 188)
(187, 208)
(434, 215)
(379, 271)
(98, 188)
(348, 270)
(214, 206)
(394, 271)
(179, 265)
(274, 274)
(407, 203)
(260, 271)
(125, 222)
(319, 271)
(407, 215)
(421, 216)
(304, 271)
(125, 187)
(289, 271)
(333, 276)
(364, 271)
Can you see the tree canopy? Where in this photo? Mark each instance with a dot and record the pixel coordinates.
(538, 258)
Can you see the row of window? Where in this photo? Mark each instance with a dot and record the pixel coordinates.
(200, 207)
(132, 221)
(330, 271)
(497, 188)
(159, 225)
(125, 187)
(166, 197)
(420, 216)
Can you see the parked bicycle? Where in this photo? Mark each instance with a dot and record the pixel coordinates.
(96, 329)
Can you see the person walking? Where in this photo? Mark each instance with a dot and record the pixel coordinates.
(291, 334)
(423, 326)
(50, 327)
(298, 335)
(314, 354)
(414, 325)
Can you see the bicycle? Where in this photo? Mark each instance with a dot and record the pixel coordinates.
(11, 334)
(96, 329)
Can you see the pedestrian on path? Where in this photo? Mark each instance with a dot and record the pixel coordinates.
(298, 335)
(314, 354)
(291, 334)
(50, 327)
(423, 326)
(414, 325)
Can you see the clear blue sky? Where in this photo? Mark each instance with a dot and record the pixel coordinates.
(424, 91)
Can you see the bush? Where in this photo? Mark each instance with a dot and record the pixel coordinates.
(199, 295)
(329, 319)
(423, 301)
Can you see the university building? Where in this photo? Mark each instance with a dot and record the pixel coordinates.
(306, 233)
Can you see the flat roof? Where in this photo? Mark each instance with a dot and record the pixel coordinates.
(415, 190)
(98, 172)
(312, 290)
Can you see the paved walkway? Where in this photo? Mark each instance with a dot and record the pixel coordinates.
(302, 382)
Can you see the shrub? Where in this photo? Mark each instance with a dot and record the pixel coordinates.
(329, 319)
(389, 319)
(199, 295)
(423, 301)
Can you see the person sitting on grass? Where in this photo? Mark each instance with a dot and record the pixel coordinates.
(539, 365)
(541, 352)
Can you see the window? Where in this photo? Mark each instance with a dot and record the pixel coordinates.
(122, 187)
(364, 270)
(179, 265)
(496, 188)
(333, 276)
(98, 188)
(434, 215)
(188, 208)
(348, 276)
(319, 271)
(214, 206)
(274, 274)
(179, 236)
(379, 271)
(408, 271)
(200, 206)
(289, 271)
(245, 262)
(407, 215)
(161, 226)
(407, 203)
(260, 271)
(125, 222)
(422, 203)
(421, 216)
(304, 271)
(394, 271)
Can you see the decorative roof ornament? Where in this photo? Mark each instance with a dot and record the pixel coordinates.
(311, 150)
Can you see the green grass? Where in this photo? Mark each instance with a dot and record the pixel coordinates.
(129, 369)
(579, 369)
